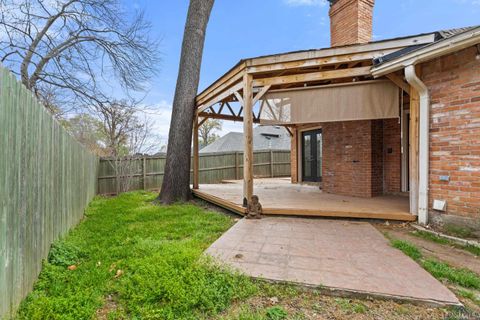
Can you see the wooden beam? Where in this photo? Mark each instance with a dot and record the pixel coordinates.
(313, 76)
(260, 94)
(378, 47)
(413, 137)
(289, 131)
(220, 202)
(220, 97)
(248, 138)
(240, 111)
(227, 117)
(399, 82)
(398, 216)
(227, 80)
(204, 119)
(196, 151)
(230, 109)
(239, 97)
(221, 107)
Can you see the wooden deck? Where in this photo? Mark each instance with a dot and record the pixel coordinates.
(280, 197)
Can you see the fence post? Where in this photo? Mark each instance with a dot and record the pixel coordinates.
(144, 169)
(271, 163)
(236, 165)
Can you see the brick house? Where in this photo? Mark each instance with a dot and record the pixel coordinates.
(397, 117)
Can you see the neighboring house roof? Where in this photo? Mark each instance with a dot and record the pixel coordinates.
(264, 138)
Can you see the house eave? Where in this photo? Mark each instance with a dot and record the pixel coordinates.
(429, 52)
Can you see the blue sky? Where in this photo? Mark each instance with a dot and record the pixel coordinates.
(249, 28)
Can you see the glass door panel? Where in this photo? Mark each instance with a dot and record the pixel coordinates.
(312, 155)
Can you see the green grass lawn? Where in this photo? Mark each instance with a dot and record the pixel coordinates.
(142, 259)
(131, 259)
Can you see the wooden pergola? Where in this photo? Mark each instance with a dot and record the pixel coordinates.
(246, 83)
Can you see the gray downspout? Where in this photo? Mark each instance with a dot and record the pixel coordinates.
(423, 153)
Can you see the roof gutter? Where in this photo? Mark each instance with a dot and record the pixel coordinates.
(429, 52)
(423, 153)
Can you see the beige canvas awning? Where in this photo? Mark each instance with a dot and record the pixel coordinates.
(354, 101)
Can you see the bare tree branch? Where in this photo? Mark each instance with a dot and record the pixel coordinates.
(75, 45)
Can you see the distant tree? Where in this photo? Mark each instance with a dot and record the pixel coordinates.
(88, 131)
(125, 132)
(176, 181)
(207, 131)
(126, 135)
(63, 50)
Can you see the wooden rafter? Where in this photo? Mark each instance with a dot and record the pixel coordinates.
(230, 78)
(220, 97)
(226, 117)
(313, 76)
(399, 82)
(261, 93)
(239, 97)
(289, 131)
(230, 108)
(221, 107)
(203, 120)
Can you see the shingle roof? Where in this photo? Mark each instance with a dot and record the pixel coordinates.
(441, 35)
(264, 138)
(445, 34)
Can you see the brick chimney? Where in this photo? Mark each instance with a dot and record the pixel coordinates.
(350, 21)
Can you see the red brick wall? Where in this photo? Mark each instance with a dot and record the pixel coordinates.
(454, 86)
(377, 158)
(356, 161)
(352, 159)
(351, 22)
(392, 160)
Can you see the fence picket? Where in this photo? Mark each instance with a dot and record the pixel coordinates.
(213, 168)
(46, 180)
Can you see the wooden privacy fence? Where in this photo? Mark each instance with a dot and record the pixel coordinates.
(146, 173)
(46, 180)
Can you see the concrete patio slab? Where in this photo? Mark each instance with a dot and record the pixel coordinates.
(342, 256)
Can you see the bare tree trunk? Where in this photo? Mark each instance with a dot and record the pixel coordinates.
(176, 181)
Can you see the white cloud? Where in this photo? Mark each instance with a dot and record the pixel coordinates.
(311, 3)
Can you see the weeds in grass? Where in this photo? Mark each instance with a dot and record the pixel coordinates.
(407, 248)
(434, 238)
(462, 277)
(64, 254)
(440, 270)
(473, 249)
(351, 307)
(469, 295)
(457, 231)
(430, 236)
(276, 313)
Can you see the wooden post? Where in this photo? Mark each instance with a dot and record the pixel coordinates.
(195, 153)
(413, 153)
(271, 163)
(144, 169)
(248, 138)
